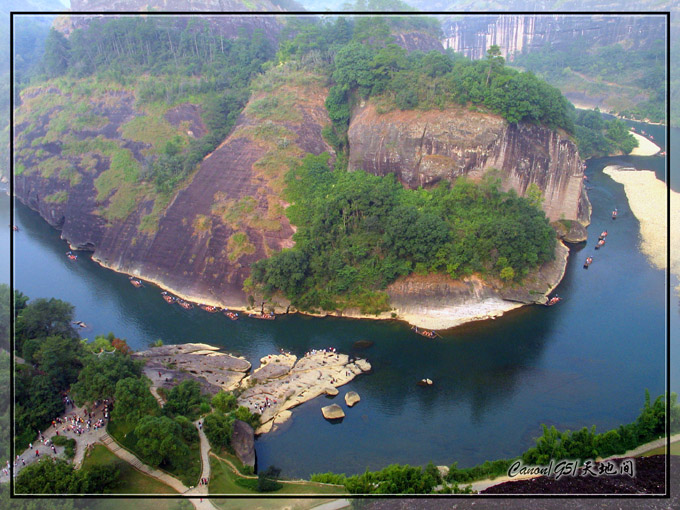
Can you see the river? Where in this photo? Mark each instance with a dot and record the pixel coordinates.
(584, 362)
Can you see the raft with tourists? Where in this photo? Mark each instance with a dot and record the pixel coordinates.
(136, 282)
(232, 315)
(425, 382)
(553, 301)
(208, 308)
(427, 333)
(263, 316)
(586, 264)
(168, 298)
(71, 255)
(184, 304)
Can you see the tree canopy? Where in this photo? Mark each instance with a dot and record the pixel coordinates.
(358, 232)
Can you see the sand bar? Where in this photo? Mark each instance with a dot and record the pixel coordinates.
(645, 146)
(647, 199)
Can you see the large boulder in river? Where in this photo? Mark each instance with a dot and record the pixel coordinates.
(570, 231)
(333, 412)
(243, 442)
(351, 398)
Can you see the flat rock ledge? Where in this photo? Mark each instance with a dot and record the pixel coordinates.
(331, 391)
(333, 412)
(351, 398)
(277, 386)
(168, 365)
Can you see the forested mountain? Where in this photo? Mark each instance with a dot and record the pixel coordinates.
(139, 134)
(30, 34)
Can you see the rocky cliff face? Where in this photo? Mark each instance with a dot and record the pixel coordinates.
(227, 216)
(473, 35)
(226, 24)
(422, 148)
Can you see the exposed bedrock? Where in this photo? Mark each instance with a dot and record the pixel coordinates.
(424, 147)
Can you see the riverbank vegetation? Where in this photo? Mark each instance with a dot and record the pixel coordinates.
(597, 137)
(554, 445)
(358, 232)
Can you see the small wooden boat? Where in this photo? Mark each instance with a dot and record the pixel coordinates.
(589, 260)
(232, 315)
(425, 332)
(71, 255)
(209, 308)
(615, 212)
(184, 304)
(425, 382)
(263, 316)
(553, 301)
(599, 244)
(168, 298)
(136, 282)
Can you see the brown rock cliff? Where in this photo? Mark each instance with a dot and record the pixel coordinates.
(423, 147)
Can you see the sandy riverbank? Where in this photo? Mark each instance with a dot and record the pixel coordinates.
(647, 199)
(645, 146)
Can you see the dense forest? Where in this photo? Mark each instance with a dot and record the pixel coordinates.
(367, 238)
(358, 232)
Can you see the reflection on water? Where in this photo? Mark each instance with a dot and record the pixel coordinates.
(584, 362)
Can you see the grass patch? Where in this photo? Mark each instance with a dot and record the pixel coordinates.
(88, 121)
(202, 224)
(123, 168)
(188, 473)
(149, 223)
(70, 174)
(239, 245)
(231, 212)
(223, 480)
(151, 128)
(123, 202)
(49, 166)
(88, 163)
(19, 169)
(131, 480)
(278, 106)
(57, 198)
(99, 145)
(69, 445)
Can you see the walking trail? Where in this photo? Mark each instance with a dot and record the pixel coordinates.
(201, 491)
